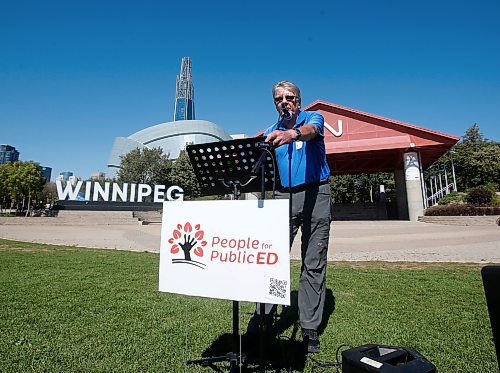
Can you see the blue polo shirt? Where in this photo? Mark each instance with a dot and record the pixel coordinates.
(305, 159)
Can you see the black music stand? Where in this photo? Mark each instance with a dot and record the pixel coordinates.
(235, 166)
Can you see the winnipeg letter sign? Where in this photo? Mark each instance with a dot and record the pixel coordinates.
(115, 192)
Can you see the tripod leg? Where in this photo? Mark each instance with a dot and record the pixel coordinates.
(236, 334)
(262, 335)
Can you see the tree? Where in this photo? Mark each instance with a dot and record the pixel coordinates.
(473, 136)
(20, 180)
(342, 188)
(361, 187)
(183, 176)
(476, 159)
(14, 183)
(32, 182)
(4, 191)
(49, 193)
(145, 166)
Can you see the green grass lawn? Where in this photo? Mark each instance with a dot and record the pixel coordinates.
(65, 309)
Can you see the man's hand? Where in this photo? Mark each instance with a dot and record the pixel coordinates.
(279, 137)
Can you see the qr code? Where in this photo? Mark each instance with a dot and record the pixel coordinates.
(277, 288)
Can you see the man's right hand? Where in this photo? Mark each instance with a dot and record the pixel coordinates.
(279, 137)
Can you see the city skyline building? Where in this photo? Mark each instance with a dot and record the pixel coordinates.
(73, 180)
(98, 176)
(64, 176)
(8, 154)
(184, 92)
(46, 172)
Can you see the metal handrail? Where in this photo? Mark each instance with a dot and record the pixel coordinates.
(439, 192)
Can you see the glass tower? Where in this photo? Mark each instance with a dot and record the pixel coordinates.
(184, 92)
(66, 175)
(46, 172)
(8, 154)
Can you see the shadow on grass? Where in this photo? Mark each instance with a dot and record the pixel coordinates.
(282, 352)
(289, 316)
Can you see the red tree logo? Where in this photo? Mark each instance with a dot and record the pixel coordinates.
(185, 238)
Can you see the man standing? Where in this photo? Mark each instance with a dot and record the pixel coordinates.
(300, 154)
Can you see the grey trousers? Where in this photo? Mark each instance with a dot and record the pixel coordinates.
(311, 212)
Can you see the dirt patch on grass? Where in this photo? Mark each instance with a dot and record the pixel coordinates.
(24, 249)
(405, 265)
(397, 265)
(345, 294)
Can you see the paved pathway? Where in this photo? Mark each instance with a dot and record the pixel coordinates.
(350, 241)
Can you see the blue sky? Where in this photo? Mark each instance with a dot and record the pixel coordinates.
(76, 74)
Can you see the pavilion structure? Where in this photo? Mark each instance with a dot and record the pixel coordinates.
(358, 142)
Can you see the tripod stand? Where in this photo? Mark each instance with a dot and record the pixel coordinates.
(236, 166)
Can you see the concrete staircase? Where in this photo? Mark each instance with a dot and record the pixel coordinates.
(359, 211)
(147, 217)
(461, 220)
(74, 217)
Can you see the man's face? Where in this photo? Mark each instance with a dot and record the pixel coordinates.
(286, 97)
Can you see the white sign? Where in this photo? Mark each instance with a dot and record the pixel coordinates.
(412, 167)
(237, 250)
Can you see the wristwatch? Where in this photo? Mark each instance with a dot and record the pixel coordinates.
(297, 131)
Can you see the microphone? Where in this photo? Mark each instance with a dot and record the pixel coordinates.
(286, 113)
(263, 157)
(257, 166)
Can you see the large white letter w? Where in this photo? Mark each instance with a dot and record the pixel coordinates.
(68, 190)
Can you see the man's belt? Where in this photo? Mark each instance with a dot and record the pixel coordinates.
(303, 187)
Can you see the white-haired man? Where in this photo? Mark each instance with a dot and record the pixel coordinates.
(300, 154)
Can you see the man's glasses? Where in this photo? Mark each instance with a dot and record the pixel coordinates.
(287, 98)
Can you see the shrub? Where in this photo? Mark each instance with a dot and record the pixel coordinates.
(452, 198)
(494, 187)
(479, 196)
(462, 210)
